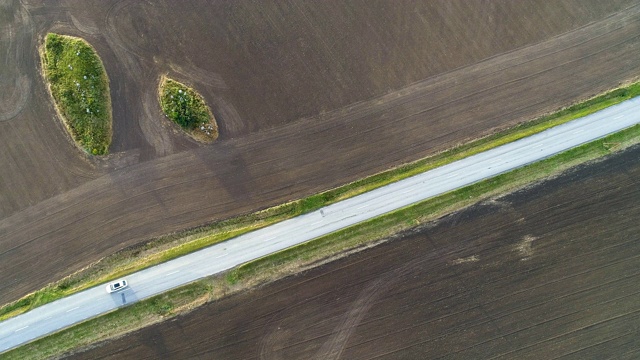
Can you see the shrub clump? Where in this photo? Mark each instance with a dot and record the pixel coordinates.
(187, 108)
(80, 88)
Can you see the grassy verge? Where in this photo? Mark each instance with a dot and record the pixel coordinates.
(304, 255)
(187, 108)
(80, 88)
(159, 250)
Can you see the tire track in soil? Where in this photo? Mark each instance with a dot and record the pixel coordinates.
(332, 348)
(335, 345)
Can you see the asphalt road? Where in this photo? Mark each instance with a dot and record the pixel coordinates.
(215, 259)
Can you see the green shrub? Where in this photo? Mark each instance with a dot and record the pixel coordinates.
(80, 89)
(187, 108)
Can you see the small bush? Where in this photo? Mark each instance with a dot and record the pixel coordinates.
(187, 108)
(80, 89)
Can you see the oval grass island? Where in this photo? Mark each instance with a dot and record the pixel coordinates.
(184, 106)
(79, 86)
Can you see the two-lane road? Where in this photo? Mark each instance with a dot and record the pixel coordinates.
(220, 257)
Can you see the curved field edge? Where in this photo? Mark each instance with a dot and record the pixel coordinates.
(312, 253)
(163, 249)
(187, 108)
(79, 86)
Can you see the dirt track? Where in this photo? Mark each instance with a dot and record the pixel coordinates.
(551, 271)
(61, 212)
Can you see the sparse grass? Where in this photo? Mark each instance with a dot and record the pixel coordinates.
(163, 249)
(187, 108)
(80, 88)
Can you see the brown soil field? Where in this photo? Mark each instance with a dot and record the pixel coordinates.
(308, 95)
(548, 272)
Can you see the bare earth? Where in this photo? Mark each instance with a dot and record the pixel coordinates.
(309, 95)
(548, 272)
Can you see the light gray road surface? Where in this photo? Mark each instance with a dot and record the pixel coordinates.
(215, 259)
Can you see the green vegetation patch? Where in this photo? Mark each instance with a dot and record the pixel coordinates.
(187, 108)
(80, 88)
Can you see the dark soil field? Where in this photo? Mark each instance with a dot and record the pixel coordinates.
(308, 95)
(552, 271)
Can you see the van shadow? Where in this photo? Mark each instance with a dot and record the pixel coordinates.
(124, 297)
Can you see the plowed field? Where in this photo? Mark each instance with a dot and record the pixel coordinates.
(551, 271)
(308, 95)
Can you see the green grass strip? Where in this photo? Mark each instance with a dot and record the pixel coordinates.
(169, 247)
(80, 88)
